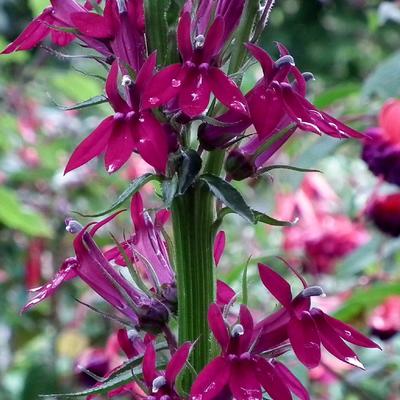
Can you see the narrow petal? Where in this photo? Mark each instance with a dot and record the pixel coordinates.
(214, 40)
(226, 91)
(184, 36)
(92, 146)
(33, 34)
(149, 365)
(137, 212)
(61, 38)
(219, 246)
(92, 25)
(117, 102)
(126, 344)
(266, 62)
(146, 72)
(195, 93)
(177, 363)
(224, 293)
(152, 141)
(305, 340)
(163, 87)
(66, 272)
(291, 381)
(276, 285)
(211, 380)
(246, 320)
(349, 334)
(271, 381)
(243, 382)
(119, 147)
(217, 326)
(332, 341)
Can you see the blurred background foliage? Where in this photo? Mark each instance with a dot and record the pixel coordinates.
(351, 47)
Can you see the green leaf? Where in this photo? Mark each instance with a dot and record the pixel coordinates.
(384, 82)
(157, 27)
(93, 101)
(188, 170)
(169, 189)
(364, 299)
(266, 219)
(230, 196)
(133, 188)
(280, 166)
(245, 285)
(339, 92)
(16, 216)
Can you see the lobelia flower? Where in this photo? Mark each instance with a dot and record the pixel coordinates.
(307, 328)
(384, 212)
(381, 149)
(143, 308)
(161, 385)
(240, 371)
(277, 106)
(193, 81)
(130, 129)
(385, 319)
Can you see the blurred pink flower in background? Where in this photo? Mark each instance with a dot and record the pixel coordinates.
(385, 319)
(322, 237)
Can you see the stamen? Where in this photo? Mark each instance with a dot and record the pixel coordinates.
(285, 60)
(313, 291)
(126, 80)
(308, 76)
(199, 41)
(237, 330)
(121, 6)
(158, 383)
(73, 226)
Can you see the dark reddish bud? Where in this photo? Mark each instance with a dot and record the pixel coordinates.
(384, 212)
(170, 297)
(153, 317)
(95, 361)
(238, 166)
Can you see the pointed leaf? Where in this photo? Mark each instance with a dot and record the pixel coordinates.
(170, 188)
(230, 196)
(266, 219)
(93, 101)
(189, 168)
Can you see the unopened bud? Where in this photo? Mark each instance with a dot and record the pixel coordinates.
(238, 166)
(153, 317)
(73, 226)
(126, 80)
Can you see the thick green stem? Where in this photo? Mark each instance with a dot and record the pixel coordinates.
(192, 216)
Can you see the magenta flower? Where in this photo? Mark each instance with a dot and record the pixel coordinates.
(193, 82)
(306, 327)
(239, 370)
(130, 129)
(277, 106)
(161, 385)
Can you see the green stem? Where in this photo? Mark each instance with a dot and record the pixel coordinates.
(192, 216)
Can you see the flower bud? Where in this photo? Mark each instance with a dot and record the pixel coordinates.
(238, 166)
(170, 297)
(153, 317)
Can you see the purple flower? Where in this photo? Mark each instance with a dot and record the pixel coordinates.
(239, 369)
(193, 82)
(277, 106)
(161, 385)
(130, 129)
(306, 327)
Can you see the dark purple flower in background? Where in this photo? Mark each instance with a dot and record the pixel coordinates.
(130, 129)
(307, 328)
(193, 81)
(161, 385)
(381, 149)
(384, 212)
(277, 107)
(241, 370)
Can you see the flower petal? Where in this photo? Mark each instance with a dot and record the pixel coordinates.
(217, 326)
(177, 362)
(246, 320)
(243, 381)
(92, 146)
(92, 25)
(332, 341)
(219, 246)
(349, 334)
(184, 36)
(226, 91)
(117, 102)
(163, 87)
(224, 293)
(305, 340)
(146, 72)
(137, 212)
(214, 40)
(271, 381)
(149, 365)
(33, 34)
(119, 146)
(152, 141)
(266, 62)
(276, 285)
(291, 381)
(195, 93)
(211, 380)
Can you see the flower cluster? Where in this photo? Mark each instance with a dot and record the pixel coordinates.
(156, 106)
